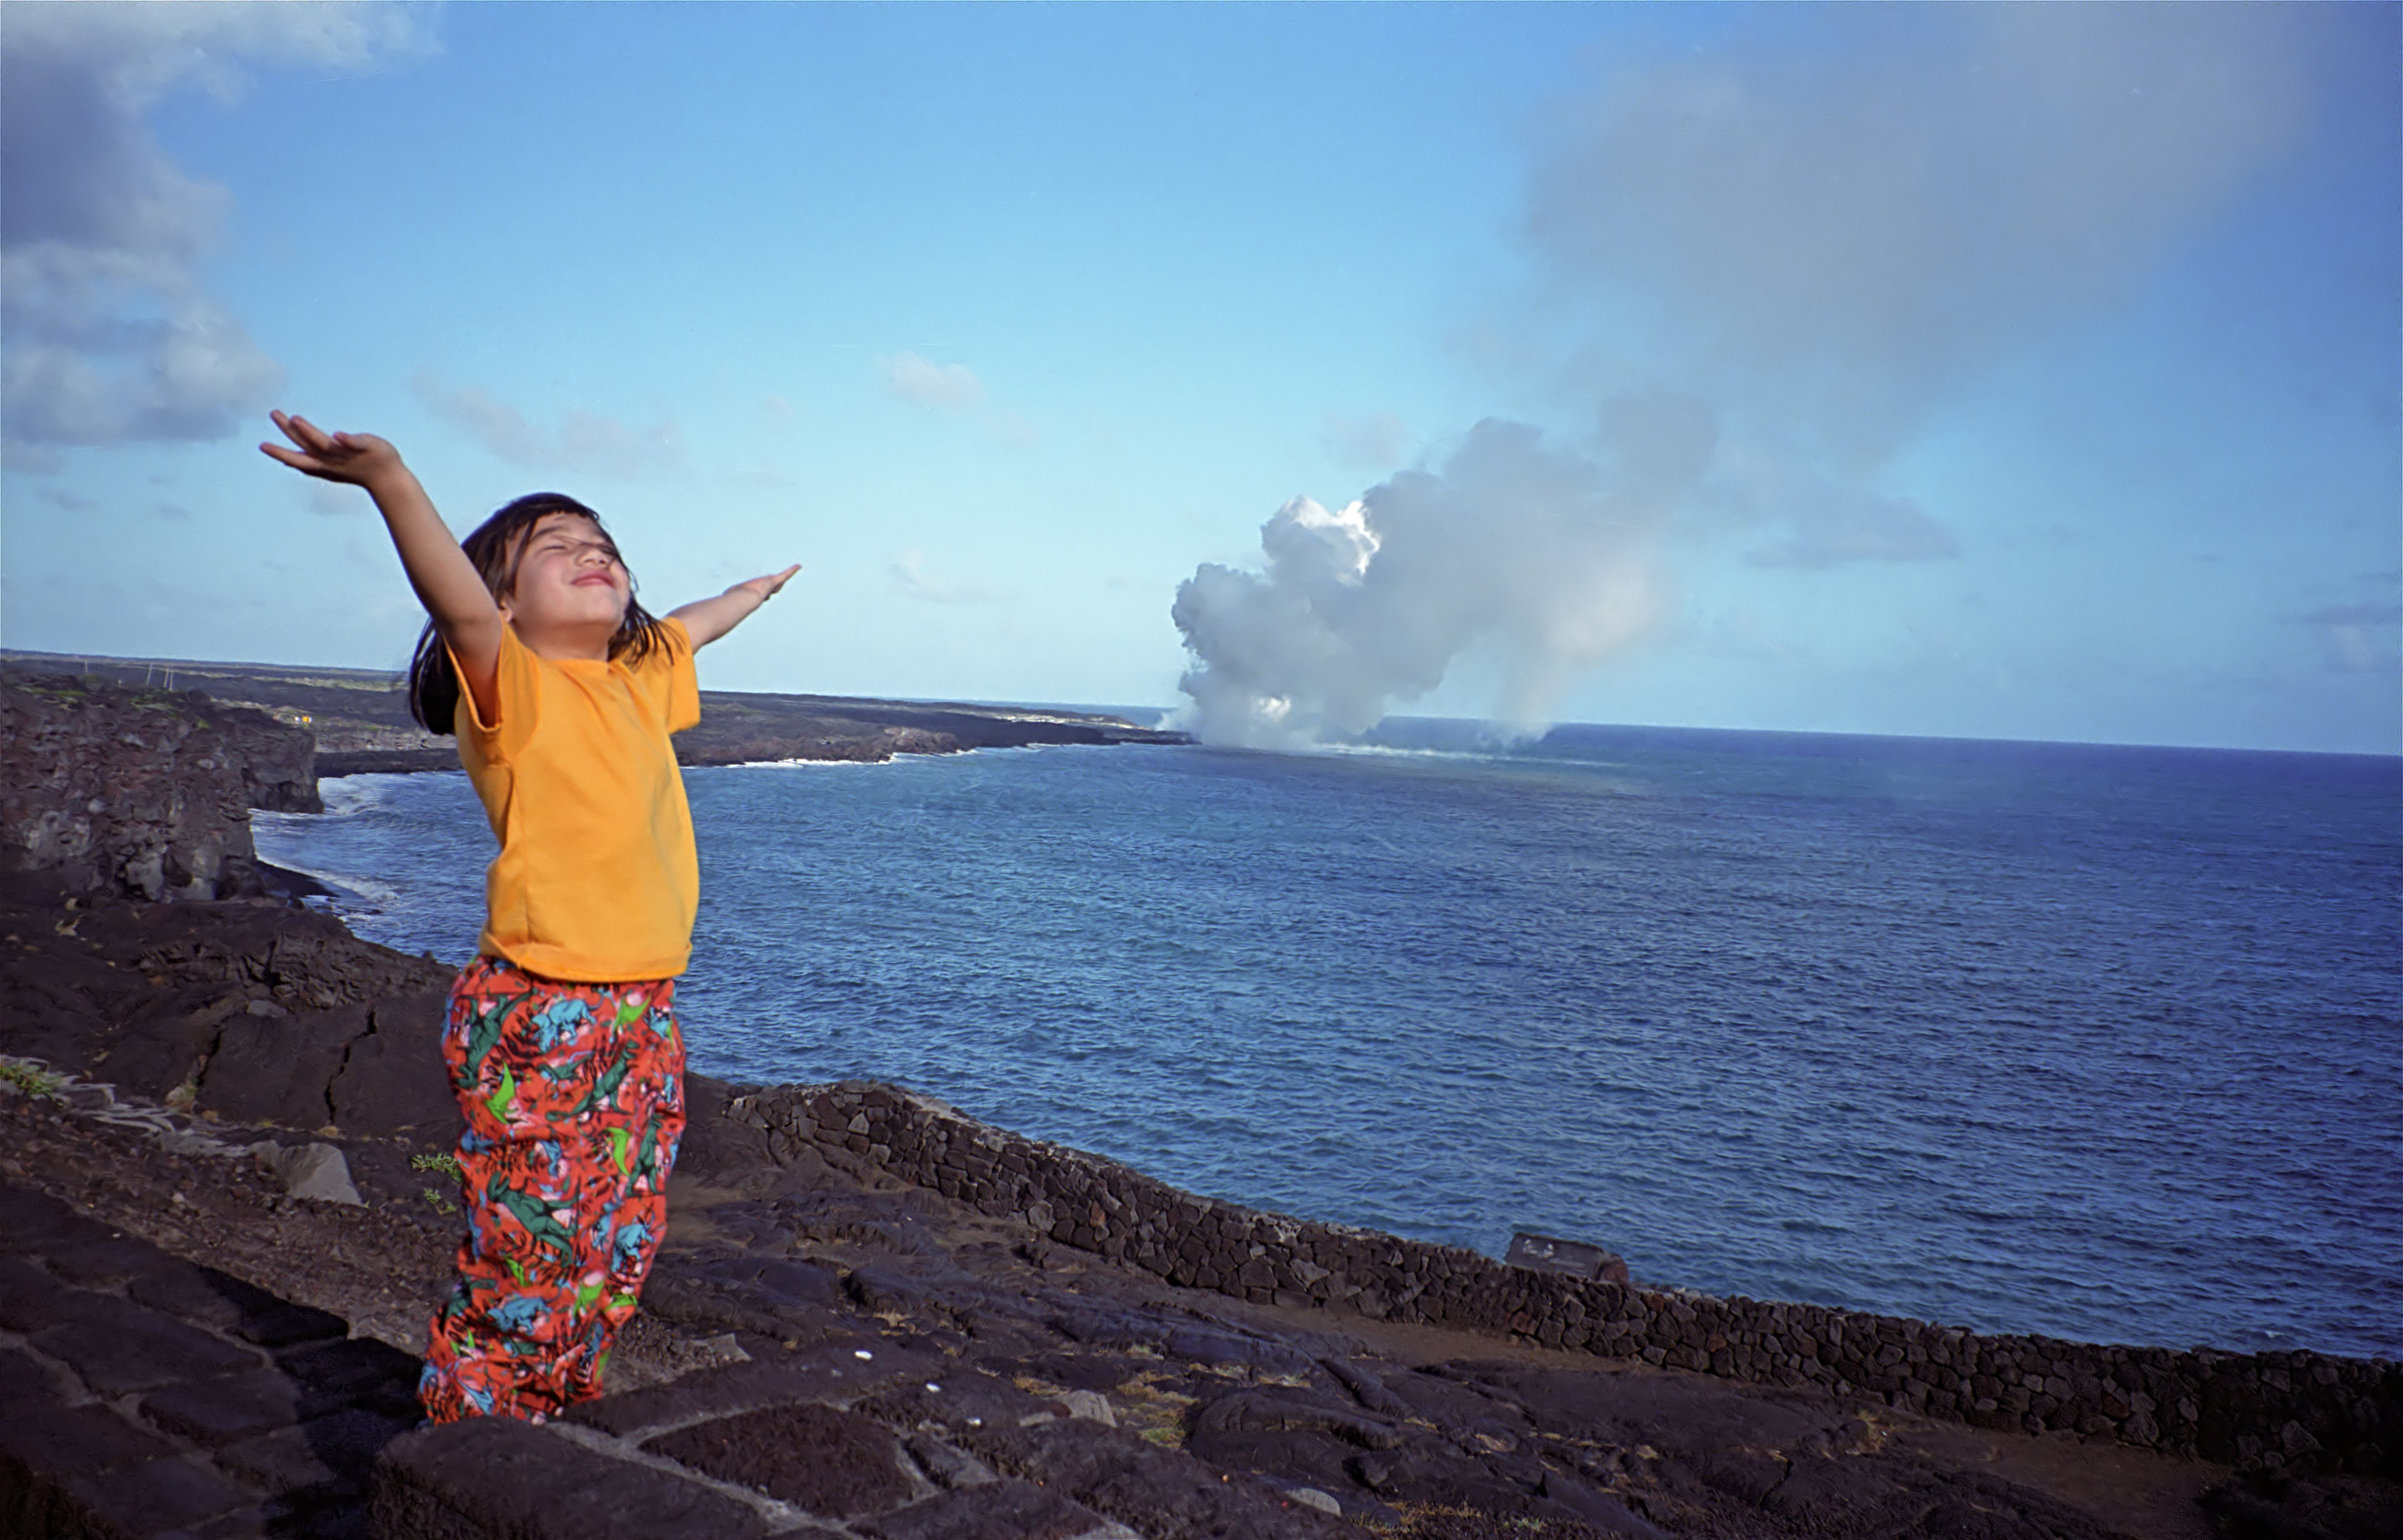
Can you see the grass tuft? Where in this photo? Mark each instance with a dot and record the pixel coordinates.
(27, 1077)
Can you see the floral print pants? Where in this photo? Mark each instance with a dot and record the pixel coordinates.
(574, 1098)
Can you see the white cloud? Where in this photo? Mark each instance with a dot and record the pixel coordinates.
(1010, 430)
(585, 442)
(1375, 442)
(908, 574)
(923, 383)
(1856, 224)
(2360, 638)
(1858, 528)
(109, 334)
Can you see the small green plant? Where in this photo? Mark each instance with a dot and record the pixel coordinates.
(27, 1077)
(448, 1166)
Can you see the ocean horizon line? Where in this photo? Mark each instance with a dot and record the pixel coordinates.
(1493, 727)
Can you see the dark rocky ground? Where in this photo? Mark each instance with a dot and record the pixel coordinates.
(192, 1350)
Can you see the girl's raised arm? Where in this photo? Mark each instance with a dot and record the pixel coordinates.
(708, 619)
(447, 583)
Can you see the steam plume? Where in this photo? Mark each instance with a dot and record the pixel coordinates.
(1772, 261)
(1513, 542)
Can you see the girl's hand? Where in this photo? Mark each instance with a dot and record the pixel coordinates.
(462, 609)
(707, 619)
(764, 588)
(361, 459)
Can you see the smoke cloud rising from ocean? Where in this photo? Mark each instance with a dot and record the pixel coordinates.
(1542, 550)
(1760, 268)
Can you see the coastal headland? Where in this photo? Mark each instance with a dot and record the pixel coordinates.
(358, 718)
(224, 1218)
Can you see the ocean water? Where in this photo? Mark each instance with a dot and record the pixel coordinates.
(2097, 1042)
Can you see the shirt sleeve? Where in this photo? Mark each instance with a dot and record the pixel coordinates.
(678, 682)
(515, 700)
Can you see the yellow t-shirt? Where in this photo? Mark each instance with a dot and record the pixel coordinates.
(596, 880)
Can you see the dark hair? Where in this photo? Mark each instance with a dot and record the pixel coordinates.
(496, 546)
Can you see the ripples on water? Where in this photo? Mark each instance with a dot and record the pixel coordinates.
(2096, 1042)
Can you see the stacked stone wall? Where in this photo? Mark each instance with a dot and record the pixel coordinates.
(2297, 1410)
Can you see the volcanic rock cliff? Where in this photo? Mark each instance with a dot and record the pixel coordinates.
(141, 793)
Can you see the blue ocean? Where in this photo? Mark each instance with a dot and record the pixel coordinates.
(2105, 1043)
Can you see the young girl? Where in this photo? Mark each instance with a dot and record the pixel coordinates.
(561, 1039)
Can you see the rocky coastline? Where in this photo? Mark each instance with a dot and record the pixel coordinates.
(357, 719)
(142, 791)
(877, 1316)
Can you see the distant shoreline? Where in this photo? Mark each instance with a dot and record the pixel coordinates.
(359, 718)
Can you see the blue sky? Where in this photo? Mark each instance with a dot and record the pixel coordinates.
(1985, 371)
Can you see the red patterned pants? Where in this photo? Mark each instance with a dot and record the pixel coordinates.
(574, 1097)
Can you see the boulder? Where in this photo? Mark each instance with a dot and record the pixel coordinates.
(316, 1171)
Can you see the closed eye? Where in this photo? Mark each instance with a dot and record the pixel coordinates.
(578, 548)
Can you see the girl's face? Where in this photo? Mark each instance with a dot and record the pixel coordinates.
(570, 583)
